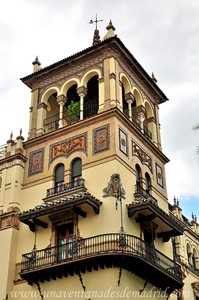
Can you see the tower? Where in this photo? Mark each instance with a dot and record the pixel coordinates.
(91, 196)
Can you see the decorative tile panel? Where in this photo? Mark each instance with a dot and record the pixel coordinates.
(36, 160)
(123, 142)
(159, 175)
(143, 156)
(101, 139)
(68, 146)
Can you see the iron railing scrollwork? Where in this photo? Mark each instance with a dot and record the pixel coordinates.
(116, 243)
(65, 187)
(145, 194)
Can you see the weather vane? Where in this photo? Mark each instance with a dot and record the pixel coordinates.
(95, 21)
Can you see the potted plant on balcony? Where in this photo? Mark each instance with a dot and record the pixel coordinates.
(73, 111)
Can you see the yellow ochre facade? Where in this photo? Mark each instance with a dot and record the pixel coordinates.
(84, 211)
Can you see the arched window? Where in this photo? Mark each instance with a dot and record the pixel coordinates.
(91, 102)
(124, 103)
(76, 172)
(72, 104)
(59, 177)
(194, 257)
(148, 182)
(138, 177)
(189, 255)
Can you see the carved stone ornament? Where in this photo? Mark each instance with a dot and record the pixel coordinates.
(195, 286)
(114, 187)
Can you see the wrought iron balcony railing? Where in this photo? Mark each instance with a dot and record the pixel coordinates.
(136, 122)
(65, 187)
(143, 193)
(83, 254)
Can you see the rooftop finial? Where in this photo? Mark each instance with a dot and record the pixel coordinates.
(11, 135)
(110, 31)
(110, 26)
(95, 21)
(36, 65)
(36, 61)
(96, 37)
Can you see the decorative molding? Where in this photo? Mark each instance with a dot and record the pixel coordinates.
(114, 187)
(159, 175)
(36, 159)
(101, 80)
(101, 139)
(150, 120)
(143, 156)
(68, 146)
(9, 219)
(123, 142)
(42, 105)
(112, 76)
(73, 69)
(14, 160)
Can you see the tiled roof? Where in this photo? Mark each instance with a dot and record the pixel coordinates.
(58, 202)
(108, 41)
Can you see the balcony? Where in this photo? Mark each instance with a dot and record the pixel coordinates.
(80, 203)
(145, 209)
(136, 122)
(52, 123)
(108, 250)
(140, 192)
(65, 188)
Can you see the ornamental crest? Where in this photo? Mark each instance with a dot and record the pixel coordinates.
(114, 187)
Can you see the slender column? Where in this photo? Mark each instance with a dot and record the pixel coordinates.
(61, 100)
(141, 118)
(140, 110)
(129, 109)
(129, 99)
(82, 91)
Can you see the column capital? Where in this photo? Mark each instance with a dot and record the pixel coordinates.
(129, 97)
(140, 109)
(42, 105)
(61, 99)
(82, 90)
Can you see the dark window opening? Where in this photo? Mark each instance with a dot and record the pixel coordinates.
(138, 175)
(72, 102)
(77, 172)
(59, 177)
(148, 182)
(72, 95)
(91, 100)
(64, 241)
(124, 103)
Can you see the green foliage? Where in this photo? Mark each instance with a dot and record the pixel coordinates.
(73, 108)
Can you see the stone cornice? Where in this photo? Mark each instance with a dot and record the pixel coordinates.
(10, 161)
